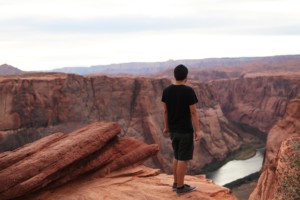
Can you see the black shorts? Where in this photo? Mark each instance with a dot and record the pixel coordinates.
(183, 145)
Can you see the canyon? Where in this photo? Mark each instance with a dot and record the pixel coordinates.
(238, 107)
(33, 105)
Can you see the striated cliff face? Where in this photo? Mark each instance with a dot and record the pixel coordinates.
(45, 101)
(281, 170)
(259, 101)
(60, 158)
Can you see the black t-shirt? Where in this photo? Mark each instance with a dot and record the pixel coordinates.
(178, 98)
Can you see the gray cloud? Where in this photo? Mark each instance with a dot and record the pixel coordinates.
(207, 25)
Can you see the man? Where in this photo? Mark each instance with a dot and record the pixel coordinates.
(180, 114)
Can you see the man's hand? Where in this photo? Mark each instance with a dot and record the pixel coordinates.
(195, 120)
(197, 135)
(166, 129)
(166, 132)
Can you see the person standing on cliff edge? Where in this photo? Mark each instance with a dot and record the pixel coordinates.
(180, 114)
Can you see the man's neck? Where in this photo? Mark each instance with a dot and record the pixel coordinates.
(180, 82)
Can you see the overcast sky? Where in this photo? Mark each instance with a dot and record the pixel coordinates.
(46, 34)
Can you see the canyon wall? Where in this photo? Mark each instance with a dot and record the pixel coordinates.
(45, 101)
(281, 169)
(259, 101)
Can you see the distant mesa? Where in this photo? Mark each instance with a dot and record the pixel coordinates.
(6, 70)
(202, 69)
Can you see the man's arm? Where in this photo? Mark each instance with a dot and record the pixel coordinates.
(166, 127)
(195, 121)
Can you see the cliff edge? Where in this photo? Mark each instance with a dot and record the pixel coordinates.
(136, 183)
(281, 169)
(92, 163)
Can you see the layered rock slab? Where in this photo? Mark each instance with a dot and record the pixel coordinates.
(135, 183)
(52, 162)
(281, 169)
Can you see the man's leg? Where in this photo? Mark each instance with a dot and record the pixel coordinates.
(180, 171)
(185, 153)
(175, 170)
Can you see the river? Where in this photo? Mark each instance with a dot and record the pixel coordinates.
(237, 169)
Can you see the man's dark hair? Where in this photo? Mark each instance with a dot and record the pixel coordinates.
(180, 72)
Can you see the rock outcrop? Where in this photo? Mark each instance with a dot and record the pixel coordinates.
(60, 158)
(135, 183)
(47, 100)
(281, 169)
(259, 101)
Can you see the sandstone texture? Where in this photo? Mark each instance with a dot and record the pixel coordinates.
(135, 183)
(34, 101)
(258, 101)
(281, 169)
(60, 158)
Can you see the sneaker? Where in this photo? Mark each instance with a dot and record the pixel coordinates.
(185, 189)
(174, 187)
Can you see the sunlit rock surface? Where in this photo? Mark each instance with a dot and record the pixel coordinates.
(135, 183)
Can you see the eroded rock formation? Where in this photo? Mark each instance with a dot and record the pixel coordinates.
(259, 101)
(46, 100)
(60, 158)
(281, 170)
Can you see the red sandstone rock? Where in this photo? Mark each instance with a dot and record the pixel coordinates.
(94, 147)
(283, 143)
(9, 158)
(135, 183)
